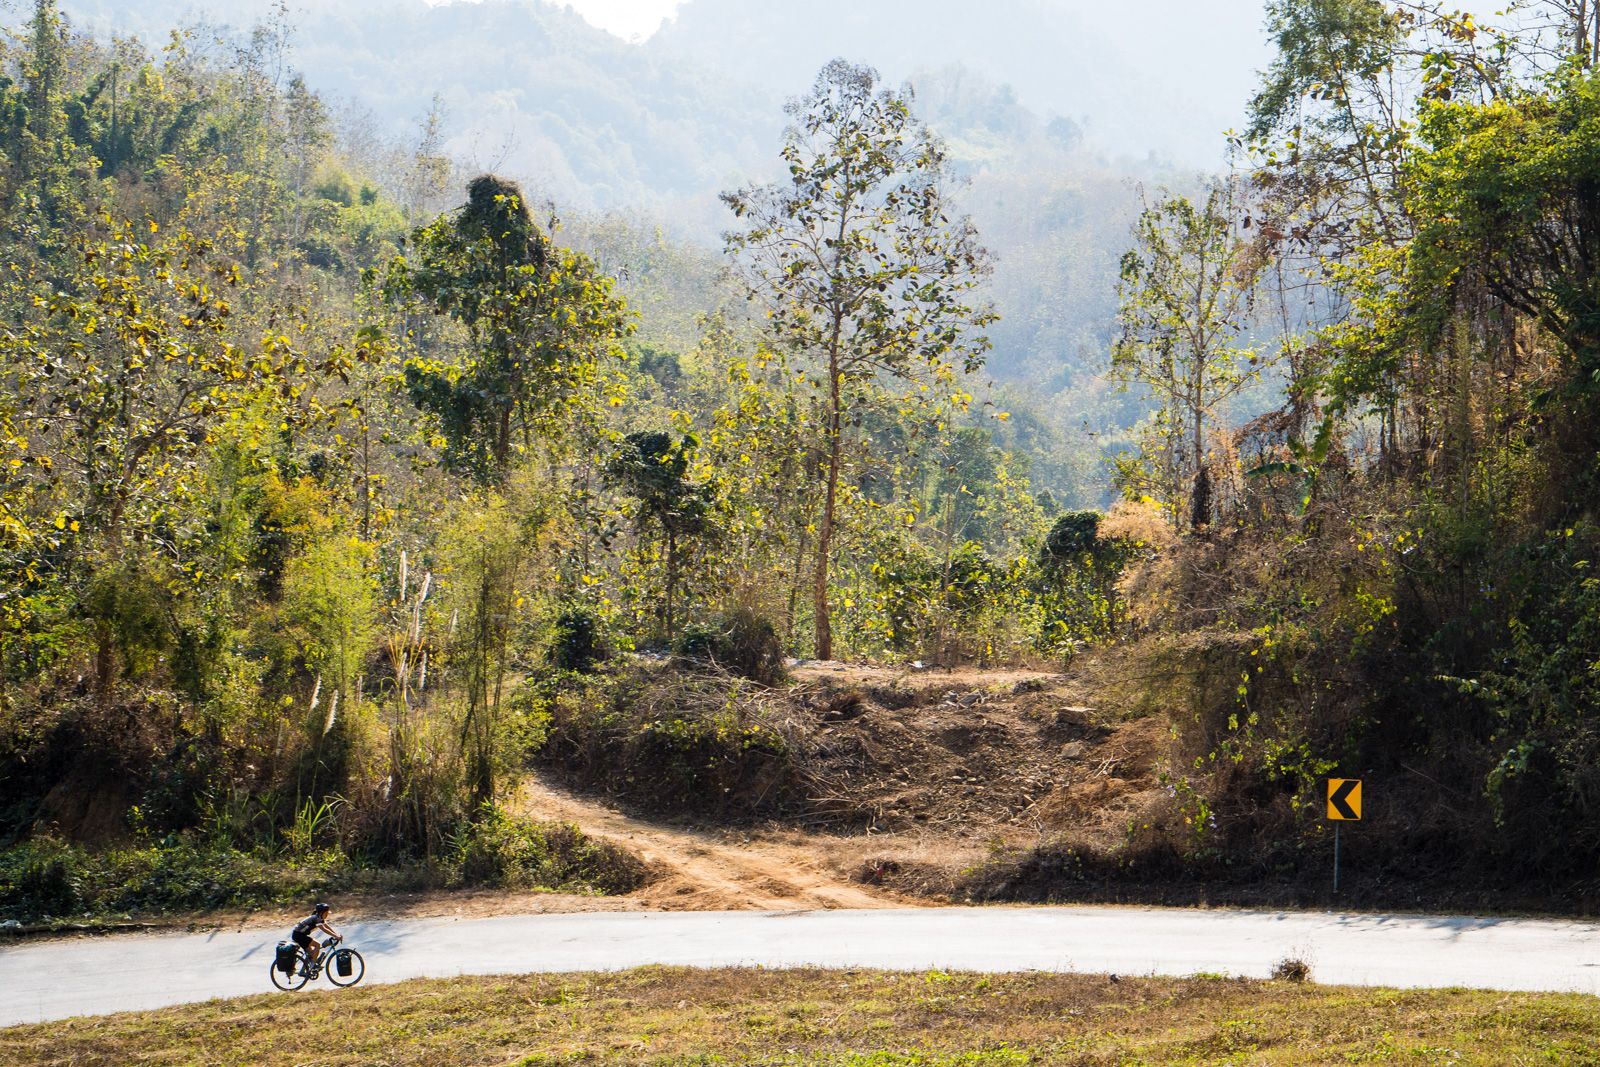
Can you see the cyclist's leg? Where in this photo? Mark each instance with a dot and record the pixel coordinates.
(309, 947)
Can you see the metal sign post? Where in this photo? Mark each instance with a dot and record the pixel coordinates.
(1344, 805)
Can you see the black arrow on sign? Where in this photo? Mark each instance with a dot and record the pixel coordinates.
(1340, 797)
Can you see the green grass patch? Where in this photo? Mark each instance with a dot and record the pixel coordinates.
(673, 1016)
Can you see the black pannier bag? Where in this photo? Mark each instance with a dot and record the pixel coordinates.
(343, 964)
(286, 952)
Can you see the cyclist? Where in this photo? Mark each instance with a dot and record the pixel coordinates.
(301, 935)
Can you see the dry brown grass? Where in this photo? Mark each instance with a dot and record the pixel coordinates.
(868, 1019)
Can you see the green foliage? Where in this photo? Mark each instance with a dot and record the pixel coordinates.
(502, 851)
(313, 822)
(1505, 191)
(1324, 48)
(488, 556)
(652, 468)
(578, 642)
(676, 740)
(945, 607)
(695, 761)
(1540, 694)
(1186, 295)
(541, 320)
(865, 272)
(134, 608)
(1079, 571)
(1073, 537)
(329, 608)
(45, 879)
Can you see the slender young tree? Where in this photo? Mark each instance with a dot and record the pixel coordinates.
(1185, 297)
(866, 272)
(654, 469)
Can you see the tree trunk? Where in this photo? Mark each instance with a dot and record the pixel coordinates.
(105, 663)
(105, 653)
(672, 577)
(819, 589)
(1200, 498)
(796, 584)
(1200, 501)
(366, 479)
(502, 442)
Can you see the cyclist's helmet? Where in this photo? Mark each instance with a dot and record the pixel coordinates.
(322, 909)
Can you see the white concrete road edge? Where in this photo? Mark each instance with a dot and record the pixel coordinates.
(94, 976)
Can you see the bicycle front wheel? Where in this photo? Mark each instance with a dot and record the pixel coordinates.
(345, 958)
(288, 982)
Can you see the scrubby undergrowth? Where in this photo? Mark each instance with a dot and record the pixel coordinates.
(45, 880)
(673, 742)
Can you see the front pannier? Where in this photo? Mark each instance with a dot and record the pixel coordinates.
(343, 964)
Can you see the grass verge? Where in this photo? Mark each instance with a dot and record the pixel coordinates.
(847, 1018)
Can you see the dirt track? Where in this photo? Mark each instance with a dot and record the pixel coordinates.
(939, 767)
(696, 870)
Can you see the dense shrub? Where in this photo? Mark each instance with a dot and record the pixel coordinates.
(677, 741)
(698, 761)
(740, 641)
(45, 879)
(945, 606)
(578, 643)
(503, 851)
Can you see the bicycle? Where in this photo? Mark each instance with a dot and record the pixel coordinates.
(343, 966)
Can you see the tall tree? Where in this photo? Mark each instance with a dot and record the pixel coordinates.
(865, 270)
(489, 554)
(541, 321)
(1509, 194)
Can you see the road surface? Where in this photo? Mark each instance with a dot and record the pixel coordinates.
(92, 976)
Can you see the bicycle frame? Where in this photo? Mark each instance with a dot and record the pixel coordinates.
(328, 945)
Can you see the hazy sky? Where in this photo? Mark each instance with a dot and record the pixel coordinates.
(625, 18)
(631, 19)
(628, 19)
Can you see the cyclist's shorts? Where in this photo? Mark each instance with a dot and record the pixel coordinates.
(303, 940)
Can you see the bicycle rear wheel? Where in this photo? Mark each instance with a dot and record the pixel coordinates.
(292, 981)
(336, 962)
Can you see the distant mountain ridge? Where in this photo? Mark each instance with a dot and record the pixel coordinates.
(533, 88)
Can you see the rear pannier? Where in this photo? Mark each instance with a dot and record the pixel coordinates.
(286, 954)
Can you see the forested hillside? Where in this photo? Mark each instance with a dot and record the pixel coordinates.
(1063, 113)
(341, 481)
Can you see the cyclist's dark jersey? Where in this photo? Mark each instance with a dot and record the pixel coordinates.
(304, 927)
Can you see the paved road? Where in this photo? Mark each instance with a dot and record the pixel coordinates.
(88, 976)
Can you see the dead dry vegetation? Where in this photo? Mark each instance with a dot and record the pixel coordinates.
(874, 785)
(888, 784)
(676, 1016)
(944, 775)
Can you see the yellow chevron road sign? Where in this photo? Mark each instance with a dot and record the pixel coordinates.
(1344, 799)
